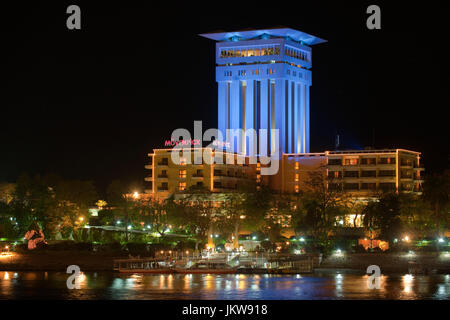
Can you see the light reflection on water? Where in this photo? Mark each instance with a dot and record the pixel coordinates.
(52, 285)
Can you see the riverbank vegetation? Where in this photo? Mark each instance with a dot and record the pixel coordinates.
(318, 218)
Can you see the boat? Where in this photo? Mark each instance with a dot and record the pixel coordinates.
(146, 265)
(212, 267)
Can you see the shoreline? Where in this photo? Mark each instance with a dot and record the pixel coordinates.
(439, 263)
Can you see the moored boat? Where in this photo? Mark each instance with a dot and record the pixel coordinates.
(205, 267)
(142, 266)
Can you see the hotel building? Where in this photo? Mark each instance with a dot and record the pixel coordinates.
(166, 177)
(264, 79)
(361, 173)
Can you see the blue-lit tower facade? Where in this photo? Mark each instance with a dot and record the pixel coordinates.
(264, 81)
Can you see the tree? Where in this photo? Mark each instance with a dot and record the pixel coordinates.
(195, 212)
(436, 191)
(383, 216)
(121, 201)
(318, 207)
(159, 214)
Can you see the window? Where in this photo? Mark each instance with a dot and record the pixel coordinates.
(368, 161)
(199, 173)
(351, 174)
(386, 161)
(296, 165)
(296, 189)
(368, 173)
(182, 161)
(334, 162)
(182, 174)
(296, 177)
(351, 186)
(164, 162)
(351, 162)
(386, 173)
(182, 186)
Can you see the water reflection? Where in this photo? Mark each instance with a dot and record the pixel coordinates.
(52, 285)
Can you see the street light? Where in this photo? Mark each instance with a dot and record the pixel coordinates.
(136, 195)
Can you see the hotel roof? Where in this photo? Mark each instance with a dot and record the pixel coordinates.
(281, 32)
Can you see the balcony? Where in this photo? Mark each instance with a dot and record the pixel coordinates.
(148, 178)
(149, 166)
(406, 164)
(163, 176)
(163, 189)
(163, 163)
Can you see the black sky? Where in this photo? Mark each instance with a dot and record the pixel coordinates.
(91, 104)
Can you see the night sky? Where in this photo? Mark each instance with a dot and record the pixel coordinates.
(90, 104)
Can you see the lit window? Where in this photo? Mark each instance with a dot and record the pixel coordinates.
(296, 165)
(296, 177)
(182, 186)
(182, 174)
(351, 162)
(296, 189)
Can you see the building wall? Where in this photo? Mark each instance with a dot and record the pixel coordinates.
(165, 177)
(361, 173)
(258, 90)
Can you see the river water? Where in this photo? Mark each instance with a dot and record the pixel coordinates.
(108, 285)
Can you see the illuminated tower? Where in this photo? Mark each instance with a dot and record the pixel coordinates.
(264, 81)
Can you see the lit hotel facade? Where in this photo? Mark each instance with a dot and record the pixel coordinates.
(264, 79)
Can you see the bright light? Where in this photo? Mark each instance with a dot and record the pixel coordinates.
(162, 251)
(148, 227)
(217, 235)
(254, 238)
(118, 222)
(187, 251)
(302, 239)
(441, 240)
(129, 227)
(81, 218)
(406, 238)
(136, 195)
